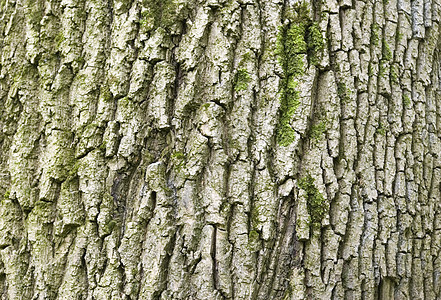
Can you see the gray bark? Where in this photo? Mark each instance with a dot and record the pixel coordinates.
(220, 149)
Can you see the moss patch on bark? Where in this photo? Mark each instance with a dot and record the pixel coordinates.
(241, 80)
(317, 206)
(298, 39)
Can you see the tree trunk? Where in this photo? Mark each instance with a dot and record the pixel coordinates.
(220, 149)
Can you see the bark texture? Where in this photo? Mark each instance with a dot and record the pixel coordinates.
(220, 149)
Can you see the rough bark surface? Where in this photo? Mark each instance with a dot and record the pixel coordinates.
(220, 149)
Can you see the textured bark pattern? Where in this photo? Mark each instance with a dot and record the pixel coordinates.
(220, 149)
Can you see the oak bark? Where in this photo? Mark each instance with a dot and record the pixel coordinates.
(220, 149)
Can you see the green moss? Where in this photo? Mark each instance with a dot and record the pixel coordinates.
(394, 74)
(7, 194)
(343, 92)
(206, 105)
(291, 48)
(381, 130)
(315, 43)
(126, 104)
(80, 60)
(316, 203)
(241, 80)
(317, 130)
(103, 147)
(147, 21)
(59, 39)
(375, 28)
(36, 14)
(178, 160)
(253, 241)
(159, 13)
(246, 57)
(295, 39)
(42, 209)
(105, 94)
(386, 52)
(407, 101)
(292, 96)
(178, 155)
(74, 171)
(303, 222)
(108, 227)
(90, 128)
(299, 12)
(299, 38)
(285, 134)
(290, 101)
(382, 70)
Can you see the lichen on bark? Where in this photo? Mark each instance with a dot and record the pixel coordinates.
(220, 149)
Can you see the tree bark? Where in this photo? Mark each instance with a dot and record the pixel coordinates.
(220, 149)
